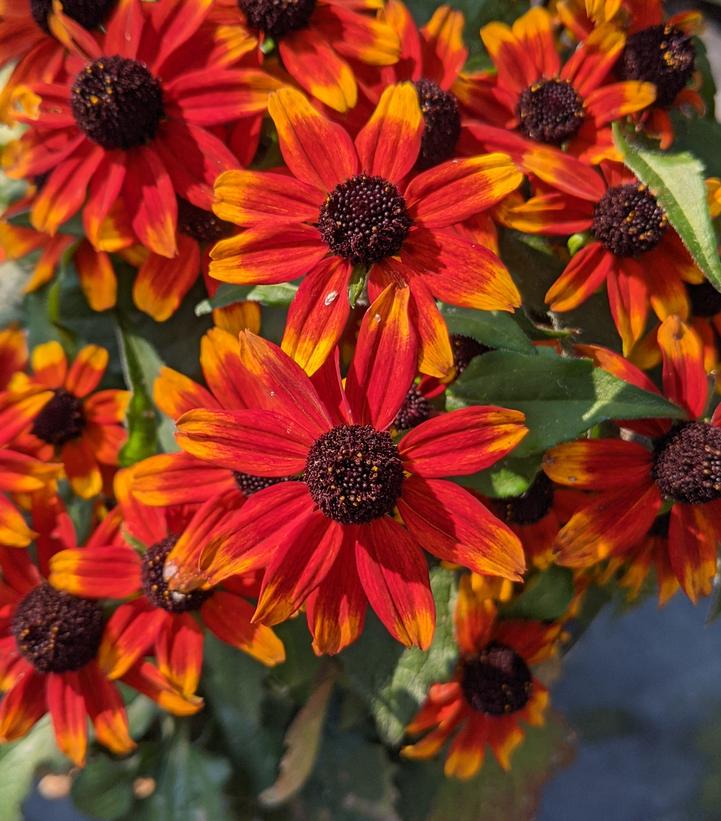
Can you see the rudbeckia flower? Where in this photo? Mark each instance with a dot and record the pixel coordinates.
(72, 419)
(534, 98)
(318, 41)
(358, 208)
(134, 121)
(331, 536)
(634, 251)
(492, 693)
(678, 471)
(158, 621)
(50, 660)
(659, 51)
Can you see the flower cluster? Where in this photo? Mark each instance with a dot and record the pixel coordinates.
(392, 388)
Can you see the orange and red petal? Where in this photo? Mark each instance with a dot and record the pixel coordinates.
(97, 277)
(106, 710)
(151, 200)
(453, 525)
(467, 751)
(599, 464)
(318, 314)
(615, 100)
(161, 283)
(394, 575)
(389, 143)
(583, 275)
(317, 151)
(129, 635)
(175, 393)
(87, 370)
(66, 706)
(684, 374)
(14, 532)
(474, 618)
(49, 364)
(435, 355)
(692, 547)
(230, 618)
(462, 442)
(628, 299)
(148, 680)
(82, 468)
(443, 50)
(361, 37)
(179, 479)
(23, 705)
(96, 573)
(179, 651)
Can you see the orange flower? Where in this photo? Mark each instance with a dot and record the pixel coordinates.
(329, 536)
(318, 41)
(359, 208)
(680, 473)
(492, 693)
(82, 425)
(534, 99)
(134, 121)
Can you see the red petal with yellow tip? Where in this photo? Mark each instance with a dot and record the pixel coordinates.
(179, 650)
(394, 575)
(128, 636)
(598, 464)
(151, 200)
(23, 705)
(584, 274)
(87, 370)
(684, 375)
(178, 479)
(82, 468)
(96, 573)
(66, 706)
(175, 393)
(106, 710)
(692, 547)
(161, 284)
(49, 364)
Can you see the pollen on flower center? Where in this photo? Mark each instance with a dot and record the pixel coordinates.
(705, 299)
(550, 111)
(61, 420)
(663, 55)
(414, 410)
(364, 219)
(687, 463)
(354, 474)
(497, 681)
(55, 631)
(277, 17)
(252, 484)
(532, 505)
(201, 225)
(628, 220)
(442, 123)
(117, 102)
(155, 586)
(89, 13)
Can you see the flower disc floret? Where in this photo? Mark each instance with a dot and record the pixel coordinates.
(364, 219)
(354, 474)
(414, 410)
(496, 682)
(249, 484)
(550, 111)
(705, 299)
(628, 220)
(532, 505)
(441, 123)
(55, 631)
(465, 349)
(277, 17)
(89, 13)
(155, 586)
(61, 420)
(201, 225)
(117, 102)
(687, 463)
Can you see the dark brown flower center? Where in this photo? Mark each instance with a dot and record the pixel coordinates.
(628, 220)
(89, 13)
(687, 463)
(252, 484)
(117, 102)
(442, 123)
(201, 225)
(414, 410)
(277, 17)
(156, 588)
(532, 505)
(364, 219)
(354, 473)
(61, 420)
(550, 111)
(465, 349)
(497, 681)
(55, 631)
(663, 55)
(705, 299)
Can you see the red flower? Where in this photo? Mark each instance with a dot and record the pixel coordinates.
(330, 536)
(680, 472)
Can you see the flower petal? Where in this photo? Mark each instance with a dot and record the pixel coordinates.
(96, 573)
(684, 375)
(598, 464)
(66, 706)
(179, 479)
(23, 705)
(129, 635)
(106, 710)
(87, 370)
(161, 283)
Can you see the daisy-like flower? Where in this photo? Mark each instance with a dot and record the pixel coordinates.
(158, 621)
(330, 537)
(659, 51)
(358, 208)
(50, 650)
(134, 121)
(319, 41)
(634, 251)
(493, 691)
(679, 471)
(533, 98)
(71, 418)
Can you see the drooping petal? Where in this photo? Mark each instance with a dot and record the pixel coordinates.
(452, 524)
(97, 277)
(14, 532)
(129, 635)
(394, 575)
(22, 705)
(692, 548)
(462, 442)
(175, 393)
(148, 680)
(150, 199)
(82, 468)
(161, 283)
(96, 573)
(87, 370)
(435, 355)
(684, 375)
(583, 275)
(49, 364)
(106, 710)
(598, 464)
(467, 751)
(628, 299)
(179, 650)
(66, 706)
(179, 479)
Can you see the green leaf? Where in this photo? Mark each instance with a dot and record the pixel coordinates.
(496, 329)
(677, 180)
(545, 596)
(274, 296)
(357, 285)
(561, 397)
(104, 788)
(18, 763)
(394, 682)
(509, 477)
